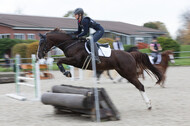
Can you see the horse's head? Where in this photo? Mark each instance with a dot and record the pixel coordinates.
(56, 38)
(44, 46)
(170, 55)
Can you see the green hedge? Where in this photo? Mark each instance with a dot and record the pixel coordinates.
(127, 47)
(107, 40)
(32, 48)
(6, 44)
(25, 50)
(20, 49)
(169, 44)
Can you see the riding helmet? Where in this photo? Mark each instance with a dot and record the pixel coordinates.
(79, 11)
(154, 37)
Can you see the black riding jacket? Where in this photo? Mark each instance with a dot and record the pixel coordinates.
(85, 24)
(155, 45)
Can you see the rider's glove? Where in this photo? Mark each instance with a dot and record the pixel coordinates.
(70, 33)
(74, 36)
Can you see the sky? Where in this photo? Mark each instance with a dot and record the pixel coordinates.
(135, 12)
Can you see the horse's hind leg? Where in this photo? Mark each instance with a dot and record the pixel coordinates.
(98, 74)
(108, 73)
(139, 86)
(132, 78)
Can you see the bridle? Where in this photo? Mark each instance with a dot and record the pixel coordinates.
(171, 57)
(55, 46)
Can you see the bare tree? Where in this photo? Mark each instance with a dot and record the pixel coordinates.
(157, 25)
(18, 11)
(183, 36)
(71, 14)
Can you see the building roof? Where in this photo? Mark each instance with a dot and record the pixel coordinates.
(41, 22)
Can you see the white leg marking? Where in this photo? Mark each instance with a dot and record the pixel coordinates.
(146, 99)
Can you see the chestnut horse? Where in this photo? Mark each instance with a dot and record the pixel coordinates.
(124, 63)
(167, 56)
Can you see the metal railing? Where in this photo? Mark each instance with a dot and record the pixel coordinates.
(186, 57)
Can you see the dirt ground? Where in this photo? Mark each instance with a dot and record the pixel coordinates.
(170, 105)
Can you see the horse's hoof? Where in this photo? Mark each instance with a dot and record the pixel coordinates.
(114, 82)
(163, 86)
(149, 108)
(67, 74)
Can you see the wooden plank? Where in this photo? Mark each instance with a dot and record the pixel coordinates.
(72, 110)
(63, 99)
(70, 89)
(110, 103)
(29, 66)
(43, 66)
(15, 96)
(26, 66)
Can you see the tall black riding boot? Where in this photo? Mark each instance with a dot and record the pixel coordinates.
(96, 53)
(155, 59)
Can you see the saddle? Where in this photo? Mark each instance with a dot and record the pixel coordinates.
(104, 50)
(159, 59)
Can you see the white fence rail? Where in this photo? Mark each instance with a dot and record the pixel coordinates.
(12, 62)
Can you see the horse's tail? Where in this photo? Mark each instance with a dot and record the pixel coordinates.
(143, 62)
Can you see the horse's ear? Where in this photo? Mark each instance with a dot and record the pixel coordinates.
(41, 35)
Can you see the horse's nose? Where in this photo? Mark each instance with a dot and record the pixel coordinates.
(172, 61)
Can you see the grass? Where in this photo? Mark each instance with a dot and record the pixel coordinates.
(55, 67)
(6, 69)
(181, 62)
(185, 48)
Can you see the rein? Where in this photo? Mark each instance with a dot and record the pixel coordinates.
(66, 47)
(71, 45)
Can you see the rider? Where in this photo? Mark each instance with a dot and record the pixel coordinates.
(155, 49)
(118, 45)
(85, 23)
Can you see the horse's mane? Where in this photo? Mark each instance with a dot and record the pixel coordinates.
(57, 30)
(167, 52)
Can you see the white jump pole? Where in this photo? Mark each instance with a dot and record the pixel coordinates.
(72, 70)
(80, 74)
(36, 78)
(36, 72)
(97, 107)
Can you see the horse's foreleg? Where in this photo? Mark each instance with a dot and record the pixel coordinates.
(163, 81)
(68, 61)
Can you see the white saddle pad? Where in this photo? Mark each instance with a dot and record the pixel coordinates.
(158, 60)
(102, 51)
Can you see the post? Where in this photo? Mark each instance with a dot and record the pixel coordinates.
(50, 64)
(72, 70)
(80, 74)
(37, 82)
(97, 107)
(35, 66)
(17, 68)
